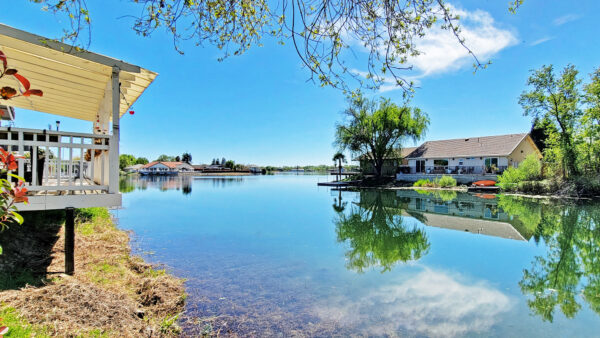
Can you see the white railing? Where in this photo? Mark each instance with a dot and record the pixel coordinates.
(59, 161)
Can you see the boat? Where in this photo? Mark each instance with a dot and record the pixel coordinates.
(484, 183)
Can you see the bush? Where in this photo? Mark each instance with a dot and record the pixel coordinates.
(423, 183)
(529, 170)
(446, 182)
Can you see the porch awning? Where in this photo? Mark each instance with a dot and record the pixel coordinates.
(73, 80)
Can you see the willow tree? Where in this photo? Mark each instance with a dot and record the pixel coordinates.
(377, 128)
(320, 31)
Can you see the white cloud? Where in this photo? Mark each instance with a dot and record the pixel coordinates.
(540, 41)
(430, 303)
(441, 52)
(565, 19)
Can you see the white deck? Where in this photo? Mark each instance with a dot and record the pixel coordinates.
(61, 169)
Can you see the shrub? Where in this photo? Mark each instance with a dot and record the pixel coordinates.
(446, 182)
(529, 170)
(423, 183)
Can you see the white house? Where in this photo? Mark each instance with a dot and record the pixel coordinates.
(165, 168)
(473, 156)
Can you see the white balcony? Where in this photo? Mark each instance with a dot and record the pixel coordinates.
(62, 167)
(68, 169)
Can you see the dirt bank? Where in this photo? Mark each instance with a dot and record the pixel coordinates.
(111, 292)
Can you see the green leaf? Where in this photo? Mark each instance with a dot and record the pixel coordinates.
(17, 177)
(18, 217)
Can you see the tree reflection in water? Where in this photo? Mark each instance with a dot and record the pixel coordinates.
(564, 278)
(571, 265)
(377, 234)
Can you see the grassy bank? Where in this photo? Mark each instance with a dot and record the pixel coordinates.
(111, 294)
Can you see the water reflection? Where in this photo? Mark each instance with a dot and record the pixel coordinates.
(570, 269)
(561, 279)
(377, 235)
(276, 255)
(131, 183)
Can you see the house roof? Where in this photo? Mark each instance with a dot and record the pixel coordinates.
(499, 145)
(74, 81)
(404, 152)
(135, 166)
(172, 165)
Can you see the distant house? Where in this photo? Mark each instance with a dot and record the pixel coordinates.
(473, 155)
(199, 167)
(391, 163)
(165, 168)
(255, 169)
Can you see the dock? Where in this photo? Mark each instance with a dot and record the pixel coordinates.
(338, 184)
(493, 189)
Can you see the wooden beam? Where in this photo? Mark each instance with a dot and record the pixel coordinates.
(113, 161)
(69, 241)
(66, 49)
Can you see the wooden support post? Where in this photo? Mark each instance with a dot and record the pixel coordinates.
(113, 161)
(69, 241)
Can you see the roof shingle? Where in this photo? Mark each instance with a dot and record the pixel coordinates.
(499, 145)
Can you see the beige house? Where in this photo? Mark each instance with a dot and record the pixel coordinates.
(474, 155)
(391, 163)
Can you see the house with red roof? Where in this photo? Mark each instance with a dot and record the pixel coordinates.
(165, 168)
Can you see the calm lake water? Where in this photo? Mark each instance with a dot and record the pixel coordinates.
(277, 255)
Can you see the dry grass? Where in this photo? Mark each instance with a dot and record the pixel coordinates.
(111, 292)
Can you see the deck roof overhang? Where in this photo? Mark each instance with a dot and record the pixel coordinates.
(74, 81)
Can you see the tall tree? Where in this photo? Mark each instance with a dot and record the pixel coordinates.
(186, 157)
(591, 122)
(141, 160)
(376, 128)
(319, 31)
(339, 157)
(556, 99)
(125, 160)
(165, 158)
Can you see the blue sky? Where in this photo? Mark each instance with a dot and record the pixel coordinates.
(258, 108)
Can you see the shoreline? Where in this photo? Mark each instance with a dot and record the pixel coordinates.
(111, 293)
(465, 190)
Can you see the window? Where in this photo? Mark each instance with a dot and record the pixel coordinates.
(442, 163)
(461, 161)
(491, 161)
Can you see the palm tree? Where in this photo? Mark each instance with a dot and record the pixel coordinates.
(340, 157)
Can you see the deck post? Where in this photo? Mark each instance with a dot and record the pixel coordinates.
(113, 163)
(69, 241)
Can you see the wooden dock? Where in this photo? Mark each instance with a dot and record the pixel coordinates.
(338, 184)
(492, 190)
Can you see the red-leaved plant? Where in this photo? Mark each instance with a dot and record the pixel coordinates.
(10, 193)
(7, 92)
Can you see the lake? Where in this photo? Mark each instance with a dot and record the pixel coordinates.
(277, 255)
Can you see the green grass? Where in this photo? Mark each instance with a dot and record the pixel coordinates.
(19, 327)
(92, 214)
